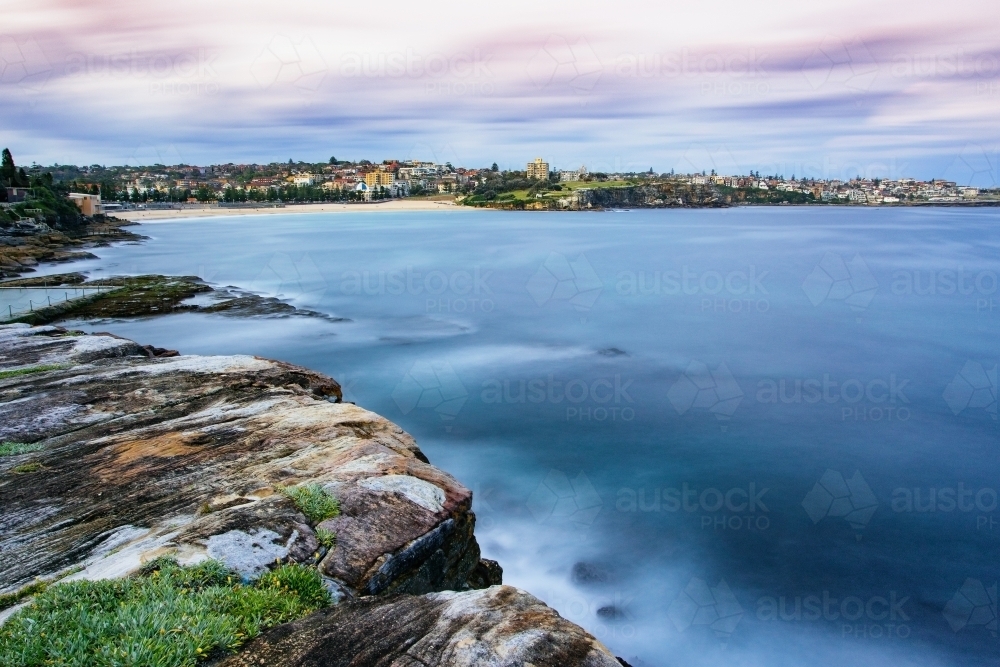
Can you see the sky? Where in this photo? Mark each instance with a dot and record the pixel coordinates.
(889, 89)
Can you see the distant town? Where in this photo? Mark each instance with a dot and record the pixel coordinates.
(97, 189)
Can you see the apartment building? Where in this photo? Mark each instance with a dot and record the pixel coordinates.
(538, 169)
(379, 178)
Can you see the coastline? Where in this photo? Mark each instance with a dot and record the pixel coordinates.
(224, 460)
(406, 205)
(213, 211)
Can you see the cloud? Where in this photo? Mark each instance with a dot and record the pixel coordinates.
(815, 85)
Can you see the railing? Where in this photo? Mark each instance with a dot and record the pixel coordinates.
(19, 300)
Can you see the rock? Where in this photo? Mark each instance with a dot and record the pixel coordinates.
(500, 626)
(487, 573)
(590, 573)
(146, 456)
(139, 455)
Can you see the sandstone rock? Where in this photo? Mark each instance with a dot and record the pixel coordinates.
(500, 626)
(143, 456)
(138, 455)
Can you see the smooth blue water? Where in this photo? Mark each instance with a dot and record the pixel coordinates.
(659, 354)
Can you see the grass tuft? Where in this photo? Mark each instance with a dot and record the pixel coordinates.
(11, 599)
(326, 538)
(26, 468)
(313, 501)
(16, 448)
(31, 369)
(168, 615)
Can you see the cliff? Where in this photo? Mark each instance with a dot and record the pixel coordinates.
(118, 454)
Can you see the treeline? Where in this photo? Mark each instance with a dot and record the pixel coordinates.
(756, 196)
(295, 193)
(46, 199)
(499, 182)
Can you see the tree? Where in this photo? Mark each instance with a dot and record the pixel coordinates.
(10, 175)
(494, 167)
(8, 172)
(333, 160)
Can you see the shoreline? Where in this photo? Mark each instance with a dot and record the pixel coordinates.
(332, 207)
(255, 469)
(405, 205)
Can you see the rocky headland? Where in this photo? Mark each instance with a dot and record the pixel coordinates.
(145, 296)
(116, 456)
(26, 243)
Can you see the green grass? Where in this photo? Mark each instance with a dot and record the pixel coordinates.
(326, 538)
(26, 468)
(165, 617)
(16, 448)
(11, 599)
(313, 501)
(31, 369)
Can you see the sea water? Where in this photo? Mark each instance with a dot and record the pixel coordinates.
(750, 436)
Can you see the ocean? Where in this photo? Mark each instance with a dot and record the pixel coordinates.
(747, 436)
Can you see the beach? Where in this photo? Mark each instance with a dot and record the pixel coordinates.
(329, 207)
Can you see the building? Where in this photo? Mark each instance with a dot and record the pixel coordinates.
(304, 179)
(17, 195)
(538, 169)
(573, 175)
(378, 178)
(89, 205)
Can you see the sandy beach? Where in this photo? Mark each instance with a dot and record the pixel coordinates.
(332, 207)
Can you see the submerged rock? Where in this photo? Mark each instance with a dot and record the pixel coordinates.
(497, 626)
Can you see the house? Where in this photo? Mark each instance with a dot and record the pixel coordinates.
(89, 205)
(304, 179)
(17, 195)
